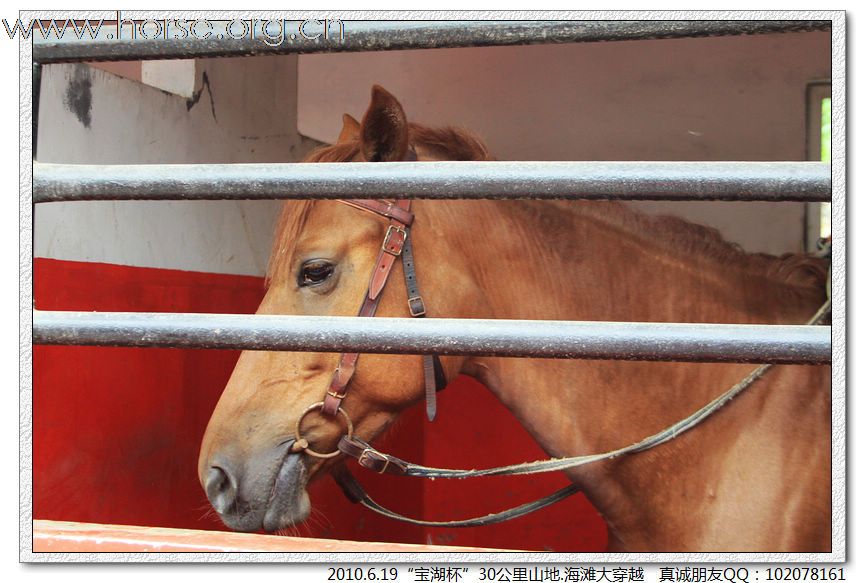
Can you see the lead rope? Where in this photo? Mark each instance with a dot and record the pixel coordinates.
(369, 457)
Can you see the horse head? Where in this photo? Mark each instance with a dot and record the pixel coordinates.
(254, 474)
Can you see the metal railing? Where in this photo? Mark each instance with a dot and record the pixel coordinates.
(769, 181)
(356, 36)
(526, 338)
(766, 181)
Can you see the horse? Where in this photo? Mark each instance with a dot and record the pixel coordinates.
(754, 477)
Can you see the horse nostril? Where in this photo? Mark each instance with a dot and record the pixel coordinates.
(221, 488)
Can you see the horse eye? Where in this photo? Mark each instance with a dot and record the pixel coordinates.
(314, 272)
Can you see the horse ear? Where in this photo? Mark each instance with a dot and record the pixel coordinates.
(350, 129)
(384, 129)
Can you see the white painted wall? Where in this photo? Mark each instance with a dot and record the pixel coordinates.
(726, 98)
(246, 112)
(176, 76)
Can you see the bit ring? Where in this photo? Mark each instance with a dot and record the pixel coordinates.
(305, 444)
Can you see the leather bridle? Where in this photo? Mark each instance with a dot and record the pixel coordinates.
(397, 243)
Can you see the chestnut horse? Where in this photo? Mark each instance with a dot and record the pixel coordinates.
(754, 477)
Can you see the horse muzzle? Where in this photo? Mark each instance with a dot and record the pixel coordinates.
(266, 492)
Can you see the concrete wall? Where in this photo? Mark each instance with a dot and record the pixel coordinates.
(243, 110)
(726, 98)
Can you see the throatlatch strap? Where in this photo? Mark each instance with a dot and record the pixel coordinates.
(433, 373)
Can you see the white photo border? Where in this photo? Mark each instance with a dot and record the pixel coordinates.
(839, 326)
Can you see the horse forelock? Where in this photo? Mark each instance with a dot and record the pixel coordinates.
(292, 220)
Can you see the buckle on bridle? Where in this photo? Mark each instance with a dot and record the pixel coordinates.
(370, 454)
(416, 307)
(394, 240)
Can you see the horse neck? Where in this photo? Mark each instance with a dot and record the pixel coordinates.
(544, 261)
(591, 261)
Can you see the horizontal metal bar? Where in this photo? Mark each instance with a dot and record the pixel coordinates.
(286, 37)
(768, 181)
(526, 338)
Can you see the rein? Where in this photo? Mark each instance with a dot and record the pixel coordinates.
(372, 459)
(396, 243)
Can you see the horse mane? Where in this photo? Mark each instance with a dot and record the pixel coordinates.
(796, 270)
(450, 143)
(801, 272)
(792, 269)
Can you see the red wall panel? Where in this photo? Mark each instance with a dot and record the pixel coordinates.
(117, 430)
